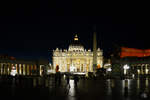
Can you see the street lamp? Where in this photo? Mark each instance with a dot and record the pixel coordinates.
(109, 72)
(125, 67)
(146, 70)
(13, 71)
(109, 69)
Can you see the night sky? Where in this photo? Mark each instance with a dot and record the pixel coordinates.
(31, 29)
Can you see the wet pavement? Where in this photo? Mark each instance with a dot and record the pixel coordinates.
(45, 88)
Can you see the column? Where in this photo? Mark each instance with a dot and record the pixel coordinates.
(17, 68)
(141, 69)
(24, 69)
(66, 65)
(91, 66)
(0, 68)
(80, 67)
(40, 70)
(27, 69)
(84, 68)
(146, 69)
(5, 69)
(60, 65)
(35, 70)
(20, 69)
(138, 69)
(9, 68)
(87, 67)
(30, 69)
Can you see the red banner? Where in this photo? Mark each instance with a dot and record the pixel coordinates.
(133, 52)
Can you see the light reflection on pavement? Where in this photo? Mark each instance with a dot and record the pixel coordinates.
(109, 89)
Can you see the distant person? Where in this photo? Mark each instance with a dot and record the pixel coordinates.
(126, 92)
(68, 80)
(56, 78)
(144, 95)
(59, 78)
(76, 80)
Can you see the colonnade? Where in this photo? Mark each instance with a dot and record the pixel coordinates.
(141, 68)
(22, 69)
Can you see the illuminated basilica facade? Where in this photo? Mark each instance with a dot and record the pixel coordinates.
(76, 58)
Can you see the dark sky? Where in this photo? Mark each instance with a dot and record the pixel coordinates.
(30, 29)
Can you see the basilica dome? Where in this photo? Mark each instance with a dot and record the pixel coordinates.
(76, 45)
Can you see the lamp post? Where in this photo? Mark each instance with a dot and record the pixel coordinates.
(109, 71)
(125, 67)
(13, 71)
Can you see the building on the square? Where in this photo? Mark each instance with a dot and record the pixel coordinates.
(22, 66)
(129, 61)
(76, 58)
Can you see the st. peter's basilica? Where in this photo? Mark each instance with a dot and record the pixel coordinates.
(76, 58)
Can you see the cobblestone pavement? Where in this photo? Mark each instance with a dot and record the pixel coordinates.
(35, 88)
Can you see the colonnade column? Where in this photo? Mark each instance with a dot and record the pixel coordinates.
(148, 69)
(31, 68)
(9, 68)
(141, 69)
(4, 69)
(27, 69)
(24, 69)
(20, 69)
(0, 68)
(17, 68)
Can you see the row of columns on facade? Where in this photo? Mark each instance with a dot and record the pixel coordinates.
(140, 69)
(22, 69)
(81, 68)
